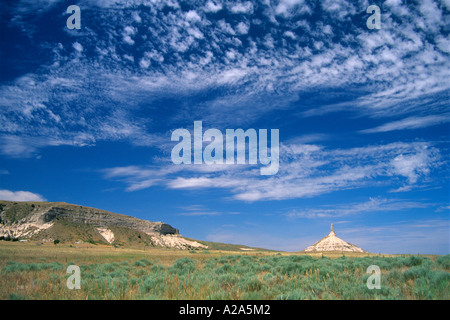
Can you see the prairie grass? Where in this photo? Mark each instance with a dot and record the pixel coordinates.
(39, 272)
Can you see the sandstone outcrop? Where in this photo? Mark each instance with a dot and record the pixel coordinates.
(332, 243)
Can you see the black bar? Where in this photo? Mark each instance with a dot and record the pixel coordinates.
(228, 309)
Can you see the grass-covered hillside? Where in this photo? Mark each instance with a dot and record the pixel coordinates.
(70, 224)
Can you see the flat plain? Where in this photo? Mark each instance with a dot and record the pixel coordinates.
(38, 271)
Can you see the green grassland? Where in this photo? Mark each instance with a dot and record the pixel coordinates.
(30, 271)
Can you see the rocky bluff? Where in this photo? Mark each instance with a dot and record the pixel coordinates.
(102, 219)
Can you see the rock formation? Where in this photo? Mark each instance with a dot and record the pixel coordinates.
(49, 220)
(332, 243)
(104, 219)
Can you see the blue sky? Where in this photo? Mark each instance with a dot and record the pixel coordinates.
(363, 116)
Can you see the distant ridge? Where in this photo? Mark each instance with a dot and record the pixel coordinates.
(332, 243)
(50, 221)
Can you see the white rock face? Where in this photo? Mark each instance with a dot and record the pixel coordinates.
(176, 241)
(107, 234)
(332, 243)
(28, 226)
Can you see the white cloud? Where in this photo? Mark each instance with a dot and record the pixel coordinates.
(198, 210)
(78, 47)
(328, 30)
(212, 7)
(193, 16)
(305, 171)
(411, 166)
(400, 70)
(20, 196)
(27, 146)
(128, 31)
(285, 7)
(144, 63)
(128, 39)
(410, 123)
(341, 9)
(290, 34)
(443, 43)
(242, 28)
(446, 3)
(16, 147)
(244, 7)
(431, 13)
(136, 17)
(231, 76)
(371, 206)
